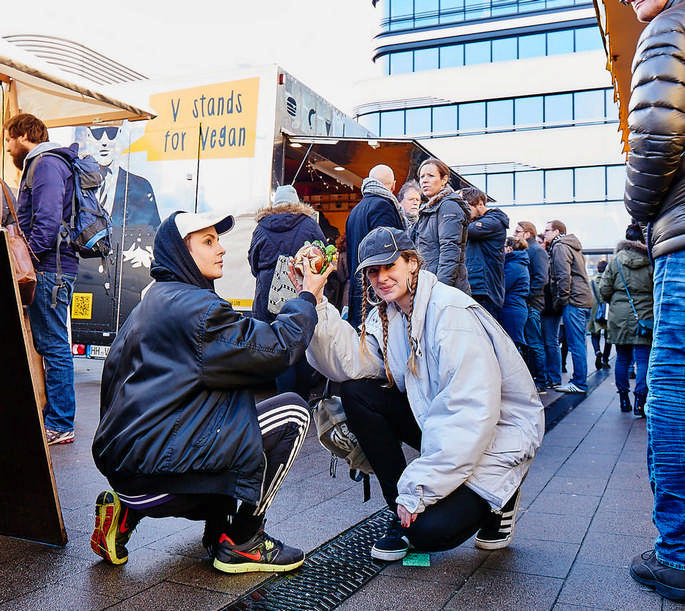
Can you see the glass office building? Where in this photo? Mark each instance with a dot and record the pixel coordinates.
(512, 94)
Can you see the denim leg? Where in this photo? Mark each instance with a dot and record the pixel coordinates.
(575, 324)
(641, 356)
(666, 409)
(550, 335)
(536, 347)
(51, 338)
(624, 355)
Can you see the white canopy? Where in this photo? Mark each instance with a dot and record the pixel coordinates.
(32, 85)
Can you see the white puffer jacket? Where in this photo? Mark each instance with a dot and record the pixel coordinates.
(473, 398)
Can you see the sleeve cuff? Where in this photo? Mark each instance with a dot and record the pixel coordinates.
(307, 296)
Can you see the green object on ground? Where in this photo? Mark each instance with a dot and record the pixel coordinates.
(417, 559)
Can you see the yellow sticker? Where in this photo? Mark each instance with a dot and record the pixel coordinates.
(241, 303)
(82, 306)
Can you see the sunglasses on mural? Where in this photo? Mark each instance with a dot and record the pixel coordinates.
(99, 131)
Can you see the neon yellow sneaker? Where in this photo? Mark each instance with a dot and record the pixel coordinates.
(113, 527)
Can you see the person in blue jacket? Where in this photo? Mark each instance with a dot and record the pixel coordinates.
(514, 311)
(282, 229)
(485, 250)
(42, 207)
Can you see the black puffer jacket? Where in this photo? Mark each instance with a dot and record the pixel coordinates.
(281, 230)
(655, 183)
(177, 414)
(440, 236)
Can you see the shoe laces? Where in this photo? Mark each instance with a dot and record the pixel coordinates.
(648, 554)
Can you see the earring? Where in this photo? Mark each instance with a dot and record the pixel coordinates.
(375, 302)
(411, 291)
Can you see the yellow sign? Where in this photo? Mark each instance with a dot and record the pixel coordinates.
(82, 306)
(241, 303)
(215, 121)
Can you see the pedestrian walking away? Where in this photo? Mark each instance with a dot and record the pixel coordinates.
(434, 370)
(179, 433)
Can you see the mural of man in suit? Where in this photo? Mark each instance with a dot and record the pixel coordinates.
(130, 201)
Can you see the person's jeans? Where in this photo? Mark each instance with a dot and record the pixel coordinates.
(550, 336)
(536, 347)
(51, 339)
(666, 409)
(625, 353)
(575, 324)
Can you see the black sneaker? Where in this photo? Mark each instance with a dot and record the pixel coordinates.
(667, 581)
(394, 545)
(261, 553)
(113, 527)
(499, 531)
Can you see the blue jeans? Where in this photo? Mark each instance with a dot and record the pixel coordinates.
(625, 353)
(666, 409)
(51, 339)
(550, 336)
(536, 346)
(575, 324)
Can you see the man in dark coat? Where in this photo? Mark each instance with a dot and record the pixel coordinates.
(485, 250)
(539, 273)
(378, 208)
(571, 296)
(282, 229)
(655, 194)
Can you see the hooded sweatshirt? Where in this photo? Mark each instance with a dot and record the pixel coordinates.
(281, 230)
(177, 410)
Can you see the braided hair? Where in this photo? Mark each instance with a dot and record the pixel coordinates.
(413, 281)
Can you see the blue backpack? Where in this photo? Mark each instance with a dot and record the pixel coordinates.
(89, 229)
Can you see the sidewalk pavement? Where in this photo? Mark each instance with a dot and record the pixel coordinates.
(585, 512)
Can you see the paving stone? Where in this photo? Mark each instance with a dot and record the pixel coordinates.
(610, 549)
(453, 566)
(385, 592)
(534, 557)
(176, 596)
(589, 584)
(624, 521)
(565, 504)
(490, 590)
(593, 486)
(58, 598)
(553, 527)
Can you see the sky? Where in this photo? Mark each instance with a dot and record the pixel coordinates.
(327, 44)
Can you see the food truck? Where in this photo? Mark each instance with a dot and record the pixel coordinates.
(220, 142)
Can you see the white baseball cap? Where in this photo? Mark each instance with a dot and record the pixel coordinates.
(187, 222)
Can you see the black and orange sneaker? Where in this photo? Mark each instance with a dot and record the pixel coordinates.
(113, 527)
(261, 553)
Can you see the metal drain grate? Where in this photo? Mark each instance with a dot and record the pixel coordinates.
(330, 574)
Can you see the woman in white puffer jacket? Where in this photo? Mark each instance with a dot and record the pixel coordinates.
(434, 370)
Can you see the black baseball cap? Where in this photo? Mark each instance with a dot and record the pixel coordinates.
(382, 246)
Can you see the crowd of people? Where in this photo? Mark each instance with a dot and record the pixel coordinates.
(441, 330)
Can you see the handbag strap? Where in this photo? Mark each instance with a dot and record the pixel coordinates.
(8, 199)
(630, 299)
(593, 286)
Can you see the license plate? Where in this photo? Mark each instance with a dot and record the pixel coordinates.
(98, 352)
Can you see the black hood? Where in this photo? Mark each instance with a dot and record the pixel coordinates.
(172, 259)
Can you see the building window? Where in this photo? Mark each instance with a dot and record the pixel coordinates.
(496, 50)
(529, 187)
(408, 14)
(509, 114)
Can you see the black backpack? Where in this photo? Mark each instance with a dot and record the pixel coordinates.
(89, 229)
